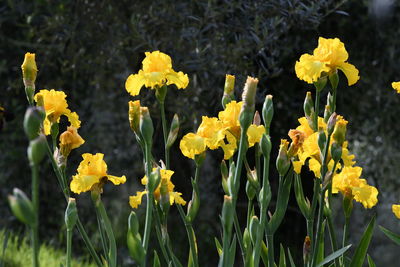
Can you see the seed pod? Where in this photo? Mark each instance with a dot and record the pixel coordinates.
(22, 208)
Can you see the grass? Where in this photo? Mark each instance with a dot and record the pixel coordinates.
(16, 252)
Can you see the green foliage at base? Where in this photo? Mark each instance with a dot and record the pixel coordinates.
(17, 252)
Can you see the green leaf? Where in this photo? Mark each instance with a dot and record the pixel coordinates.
(264, 253)
(321, 248)
(291, 258)
(394, 237)
(333, 256)
(219, 247)
(371, 263)
(156, 260)
(361, 251)
(232, 251)
(282, 257)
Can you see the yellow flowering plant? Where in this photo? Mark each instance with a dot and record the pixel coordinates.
(317, 143)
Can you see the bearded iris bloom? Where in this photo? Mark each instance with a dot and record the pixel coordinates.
(92, 174)
(327, 58)
(396, 86)
(55, 105)
(156, 72)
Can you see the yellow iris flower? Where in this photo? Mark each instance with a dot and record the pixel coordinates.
(396, 86)
(156, 72)
(92, 174)
(348, 180)
(70, 139)
(329, 56)
(396, 210)
(55, 105)
(222, 132)
(174, 197)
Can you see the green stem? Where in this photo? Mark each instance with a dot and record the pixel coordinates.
(316, 110)
(332, 235)
(35, 202)
(102, 235)
(159, 238)
(165, 134)
(150, 201)
(270, 245)
(334, 99)
(112, 255)
(69, 245)
(239, 235)
(191, 236)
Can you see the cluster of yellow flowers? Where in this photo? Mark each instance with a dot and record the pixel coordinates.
(222, 132)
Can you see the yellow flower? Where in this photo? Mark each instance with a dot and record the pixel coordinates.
(156, 72)
(174, 197)
(29, 68)
(230, 117)
(192, 145)
(396, 86)
(348, 180)
(329, 56)
(210, 130)
(254, 134)
(134, 115)
(396, 210)
(70, 139)
(55, 105)
(92, 174)
(229, 147)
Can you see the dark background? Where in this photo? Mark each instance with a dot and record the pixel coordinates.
(88, 49)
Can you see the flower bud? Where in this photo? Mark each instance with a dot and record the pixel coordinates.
(194, 204)
(252, 178)
(330, 101)
(320, 83)
(265, 145)
(308, 105)
(282, 161)
(134, 115)
(173, 132)
(29, 69)
(22, 208)
(257, 119)
(227, 213)
(154, 180)
(248, 97)
(268, 111)
(347, 203)
(246, 238)
(164, 196)
(224, 175)
(334, 80)
(331, 123)
(231, 181)
(339, 133)
(34, 117)
(254, 225)
(146, 125)
(134, 241)
(327, 113)
(336, 151)
(228, 90)
(71, 214)
(37, 149)
(250, 191)
(321, 140)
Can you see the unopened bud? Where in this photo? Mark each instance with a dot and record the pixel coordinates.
(334, 79)
(233, 189)
(70, 139)
(282, 161)
(250, 191)
(248, 97)
(308, 105)
(37, 149)
(29, 71)
(164, 196)
(257, 119)
(268, 111)
(227, 213)
(154, 180)
(336, 151)
(321, 140)
(134, 241)
(246, 238)
(134, 115)
(339, 133)
(146, 125)
(229, 84)
(306, 250)
(224, 175)
(34, 117)
(331, 123)
(254, 225)
(265, 145)
(173, 132)
(22, 208)
(327, 113)
(320, 83)
(71, 214)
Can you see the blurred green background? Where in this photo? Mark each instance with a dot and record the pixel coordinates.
(88, 49)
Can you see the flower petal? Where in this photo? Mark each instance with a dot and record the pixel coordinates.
(116, 180)
(134, 83)
(350, 71)
(135, 201)
(82, 183)
(180, 79)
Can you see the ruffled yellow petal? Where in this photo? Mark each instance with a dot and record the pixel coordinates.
(116, 180)
(175, 197)
(46, 126)
(136, 200)
(254, 134)
(331, 51)
(315, 166)
(211, 130)
(309, 69)
(180, 79)
(134, 83)
(83, 183)
(192, 145)
(396, 210)
(297, 166)
(366, 195)
(396, 86)
(229, 147)
(157, 61)
(350, 71)
(73, 118)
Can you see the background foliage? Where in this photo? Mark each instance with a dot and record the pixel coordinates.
(88, 48)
